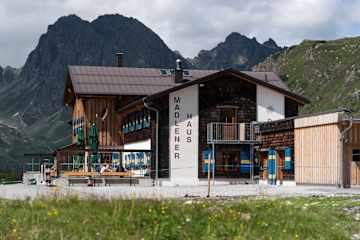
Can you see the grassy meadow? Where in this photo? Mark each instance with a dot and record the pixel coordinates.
(248, 218)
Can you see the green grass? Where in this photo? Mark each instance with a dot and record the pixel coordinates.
(250, 218)
(320, 70)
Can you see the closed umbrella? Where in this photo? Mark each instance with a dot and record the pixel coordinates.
(80, 142)
(94, 142)
(94, 138)
(80, 138)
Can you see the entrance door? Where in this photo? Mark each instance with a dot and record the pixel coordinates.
(229, 164)
(263, 163)
(353, 168)
(228, 117)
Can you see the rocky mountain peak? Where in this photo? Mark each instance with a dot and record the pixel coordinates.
(237, 51)
(8, 75)
(73, 41)
(34, 100)
(270, 43)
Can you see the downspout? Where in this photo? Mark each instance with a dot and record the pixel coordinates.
(156, 140)
(343, 141)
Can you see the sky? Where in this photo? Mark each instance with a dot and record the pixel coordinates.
(185, 25)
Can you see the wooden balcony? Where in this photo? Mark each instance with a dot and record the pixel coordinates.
(231, 133)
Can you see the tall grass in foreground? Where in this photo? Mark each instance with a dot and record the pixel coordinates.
(250, 218)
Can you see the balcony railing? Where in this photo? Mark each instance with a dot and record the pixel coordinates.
(231, 133)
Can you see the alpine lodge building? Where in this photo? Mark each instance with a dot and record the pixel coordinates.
(177, 126)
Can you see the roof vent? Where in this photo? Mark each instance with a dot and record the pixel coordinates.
(266, 78)
(120, 59)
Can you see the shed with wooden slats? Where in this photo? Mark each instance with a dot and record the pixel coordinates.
(319, 157)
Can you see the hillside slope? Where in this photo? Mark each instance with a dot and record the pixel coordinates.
(327, 72)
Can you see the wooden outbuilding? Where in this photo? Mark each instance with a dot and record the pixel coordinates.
(327, 149)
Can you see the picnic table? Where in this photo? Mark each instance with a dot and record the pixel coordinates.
(106, 178)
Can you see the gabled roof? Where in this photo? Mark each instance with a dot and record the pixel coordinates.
(91, 80)
(96, 80)
(267, 79)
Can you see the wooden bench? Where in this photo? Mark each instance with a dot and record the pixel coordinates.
(77, 180)
(80, 174)
(106, 178)
(84, 180)
(114, 180)
(116, 174)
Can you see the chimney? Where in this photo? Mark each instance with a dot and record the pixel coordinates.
(179, 72)
(120, 59)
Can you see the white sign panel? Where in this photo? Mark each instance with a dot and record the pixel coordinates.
(184, 135)
(270, 104)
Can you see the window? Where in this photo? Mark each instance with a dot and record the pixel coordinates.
(291, 108)
(136, 121)
(228, 115)
(78, 124)
(356, 155)
(163, 72)
(186, 73)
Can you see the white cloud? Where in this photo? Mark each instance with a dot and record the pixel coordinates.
(185, 25)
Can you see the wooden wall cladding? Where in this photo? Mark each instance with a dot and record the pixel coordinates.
(109, 126)
(78, 113)
(317, 154)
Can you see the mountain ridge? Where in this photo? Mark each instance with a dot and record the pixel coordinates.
(32, 116)
(32, 100)
(326, 72)
(236, 51)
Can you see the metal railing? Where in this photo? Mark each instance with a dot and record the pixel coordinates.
(231, 133)
(35, 166)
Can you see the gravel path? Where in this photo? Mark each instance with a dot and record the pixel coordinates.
(21, 191)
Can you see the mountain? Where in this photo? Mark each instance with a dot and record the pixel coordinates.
(326, 72)
(237, 51)
(72, 40)
(32, 115)
(8, 75)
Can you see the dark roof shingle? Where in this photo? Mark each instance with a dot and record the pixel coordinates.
(97, 80)
(124, 81)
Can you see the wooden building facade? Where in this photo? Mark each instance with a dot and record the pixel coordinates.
(326, 152)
